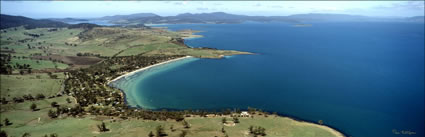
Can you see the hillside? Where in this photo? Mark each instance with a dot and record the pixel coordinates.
(221, 17)
(8, 21)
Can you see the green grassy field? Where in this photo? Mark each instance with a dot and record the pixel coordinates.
(200, 127)
(19, 85)
(148, 48)
(39, 64)
(103, 41)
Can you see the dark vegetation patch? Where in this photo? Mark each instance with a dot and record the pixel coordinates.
(83, 26)
(72, 60)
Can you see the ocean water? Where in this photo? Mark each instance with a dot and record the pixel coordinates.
(364, 79)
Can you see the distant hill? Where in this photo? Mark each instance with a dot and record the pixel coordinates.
(315, 17)
(8, 21)
(215, 17)
(83, 25)
(225, 18)
(128, 17)
(68, 19)
(416, 19)
(221, 17)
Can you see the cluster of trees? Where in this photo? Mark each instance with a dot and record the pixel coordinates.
(73, 111)
(51, 135)
(257, 131)
(33, 35)
(70, 44)
(25, 40)
(6, 122)
(24, 66)
(87, 54)
(5, 67)
(23, 98)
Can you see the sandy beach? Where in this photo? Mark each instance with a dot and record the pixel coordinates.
(333, 131)
(145, 68)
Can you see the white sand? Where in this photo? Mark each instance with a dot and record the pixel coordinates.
(145, 68)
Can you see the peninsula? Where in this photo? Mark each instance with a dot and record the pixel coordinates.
(55, 82)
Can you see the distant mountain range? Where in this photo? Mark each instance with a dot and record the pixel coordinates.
(8, 21)
(221, 17)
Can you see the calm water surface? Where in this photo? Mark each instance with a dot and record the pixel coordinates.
(364, 79)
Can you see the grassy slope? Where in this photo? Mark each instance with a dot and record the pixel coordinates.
(103, 41)
(200, 127)
(19, 85)
(42, 64)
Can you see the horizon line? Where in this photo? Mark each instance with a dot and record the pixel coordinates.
(214, 12)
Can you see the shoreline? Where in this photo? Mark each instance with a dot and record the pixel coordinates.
(294, 119)
(325, 127)
(145, 68)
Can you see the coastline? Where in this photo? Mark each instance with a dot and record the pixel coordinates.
(123, 93)
(327, 128)
(294, 120)
(145, 68)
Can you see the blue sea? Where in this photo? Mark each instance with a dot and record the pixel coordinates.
(364, 79)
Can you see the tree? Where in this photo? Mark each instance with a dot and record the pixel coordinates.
(150, 134)
(183, 134)
(7, 122)
(235, 120)
(251, 129)
(186, 124)
(102, 127)
(33, 107)
(160, 131)
(52, 114)
(172, 128)
(26, 134)
(39, 96)
(54, 135)
(54, 104)
(3, 134)
(3, 100)
(68, 100)
(257, 131)
(223, 120)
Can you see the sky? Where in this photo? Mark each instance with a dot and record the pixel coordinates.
(91, 9)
